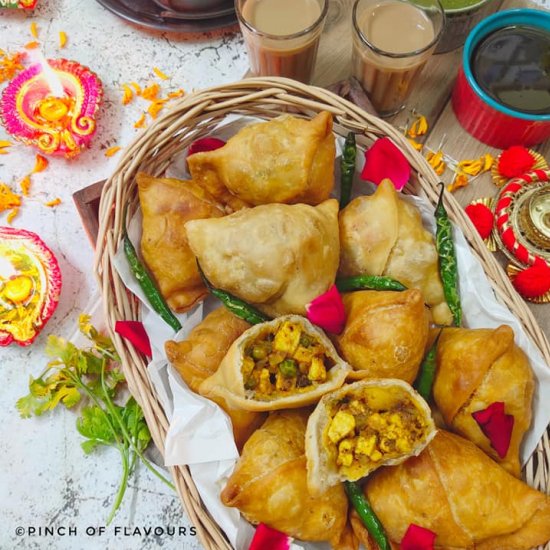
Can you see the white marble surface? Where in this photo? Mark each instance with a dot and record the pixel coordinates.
(45, 478)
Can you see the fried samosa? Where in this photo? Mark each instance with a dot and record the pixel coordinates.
(269, 485)
(284, 363)
(166, 205)
(479, 367)
(287, 159)
(459, 493)
(199, 356)
(382, 234)
(385, 334)
(362, 426)
(276, 256)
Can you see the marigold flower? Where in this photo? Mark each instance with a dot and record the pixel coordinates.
(418, 128)
(62, 39)
(128, 94)
(53, 203)
(40, 164)
(155, 107)
(25, 185)
(10, 65)
(136, 87)
(140, 122)
(435, 160)
(415, 144)
(31, 45)
(151, 92)
(460, 180)
(8, 199)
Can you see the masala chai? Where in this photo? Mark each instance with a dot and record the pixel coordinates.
(392, 41)
(282, 36)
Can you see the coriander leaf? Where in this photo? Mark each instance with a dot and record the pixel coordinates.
(90, 445)
(59, 348)
(29, 405)
(96, 423)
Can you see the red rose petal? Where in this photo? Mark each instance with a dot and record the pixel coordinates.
(205, 144)
(515, 161)
(384, 160)
(135, 333)
(497, 426)
(267, 538)
(418, 538)
(327, 311)
(533, 281)
(482, 218)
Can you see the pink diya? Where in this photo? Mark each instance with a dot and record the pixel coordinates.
(61, 123)
(30, 285)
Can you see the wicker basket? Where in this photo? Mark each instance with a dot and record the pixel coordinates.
(194, 116)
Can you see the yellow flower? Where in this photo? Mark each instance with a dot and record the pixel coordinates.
(460, 180)
(435, 160)
(418, 128)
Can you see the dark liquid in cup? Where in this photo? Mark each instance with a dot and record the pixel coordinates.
(512, 65)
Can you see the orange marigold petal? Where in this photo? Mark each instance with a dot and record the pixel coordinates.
(137, 87)
(40, 164)
(128, 94)
(62, 39)
(32, 45)
(11, 215)
(140, 123)
(53, 203)
(155, 108)
(151, 92)
(418, 146)
(25, 185)
(5, 143)
(112, 151)
(418, 128)
(176, 93)
(460, 180)
(487, 161)
(34, 29)
(160, 74)
(8, 199)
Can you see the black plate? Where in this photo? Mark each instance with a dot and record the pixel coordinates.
(149, 14)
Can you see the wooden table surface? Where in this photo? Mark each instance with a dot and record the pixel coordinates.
(431, 97)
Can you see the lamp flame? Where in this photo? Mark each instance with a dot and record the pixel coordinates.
(52, 80)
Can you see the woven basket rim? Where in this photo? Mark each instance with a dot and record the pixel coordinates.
(191, 117)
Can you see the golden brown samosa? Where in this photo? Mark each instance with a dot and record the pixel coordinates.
(385, 333)
(479, 367)
(276, 256)
(166, 205)
(199, 356)
(287, 159)
(453, 489)
(279, 364)
(362, 426)
(269, 484)
(382, 234)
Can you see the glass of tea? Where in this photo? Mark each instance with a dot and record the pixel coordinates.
(392, 40)
(282, 36)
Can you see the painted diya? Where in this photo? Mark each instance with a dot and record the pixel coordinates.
(522, 226)
(30, 285)
(52, 105)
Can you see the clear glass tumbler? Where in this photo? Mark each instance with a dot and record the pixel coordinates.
(392, 40)
(282, 36)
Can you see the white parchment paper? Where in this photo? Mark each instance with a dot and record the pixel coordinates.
(200, 432)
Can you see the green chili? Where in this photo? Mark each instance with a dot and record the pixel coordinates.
(235, 305)
(368, 282)
(347, 169)
(148, 285)
(367, 515)
(425, 379)
(448, 267)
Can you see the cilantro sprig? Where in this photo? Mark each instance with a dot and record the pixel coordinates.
(91, 378)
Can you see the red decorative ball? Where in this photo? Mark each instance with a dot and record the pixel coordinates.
(533, 281)
(515, 161)
(482, 218)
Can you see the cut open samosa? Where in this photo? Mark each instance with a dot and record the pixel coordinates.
(362, 426)
(284, 363)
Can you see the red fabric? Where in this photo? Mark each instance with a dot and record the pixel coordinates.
(205, 144)
(385, 160)
(267, 538)
(497, 426)
(482, 218)
(515, 161)
(533, 281)
(135, 333)
(418, 538)
(327, 311)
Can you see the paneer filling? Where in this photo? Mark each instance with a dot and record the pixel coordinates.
(284, 360)
(361, 433)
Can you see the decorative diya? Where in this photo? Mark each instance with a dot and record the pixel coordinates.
(30, 285)
(52, 105)
(522, 216)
